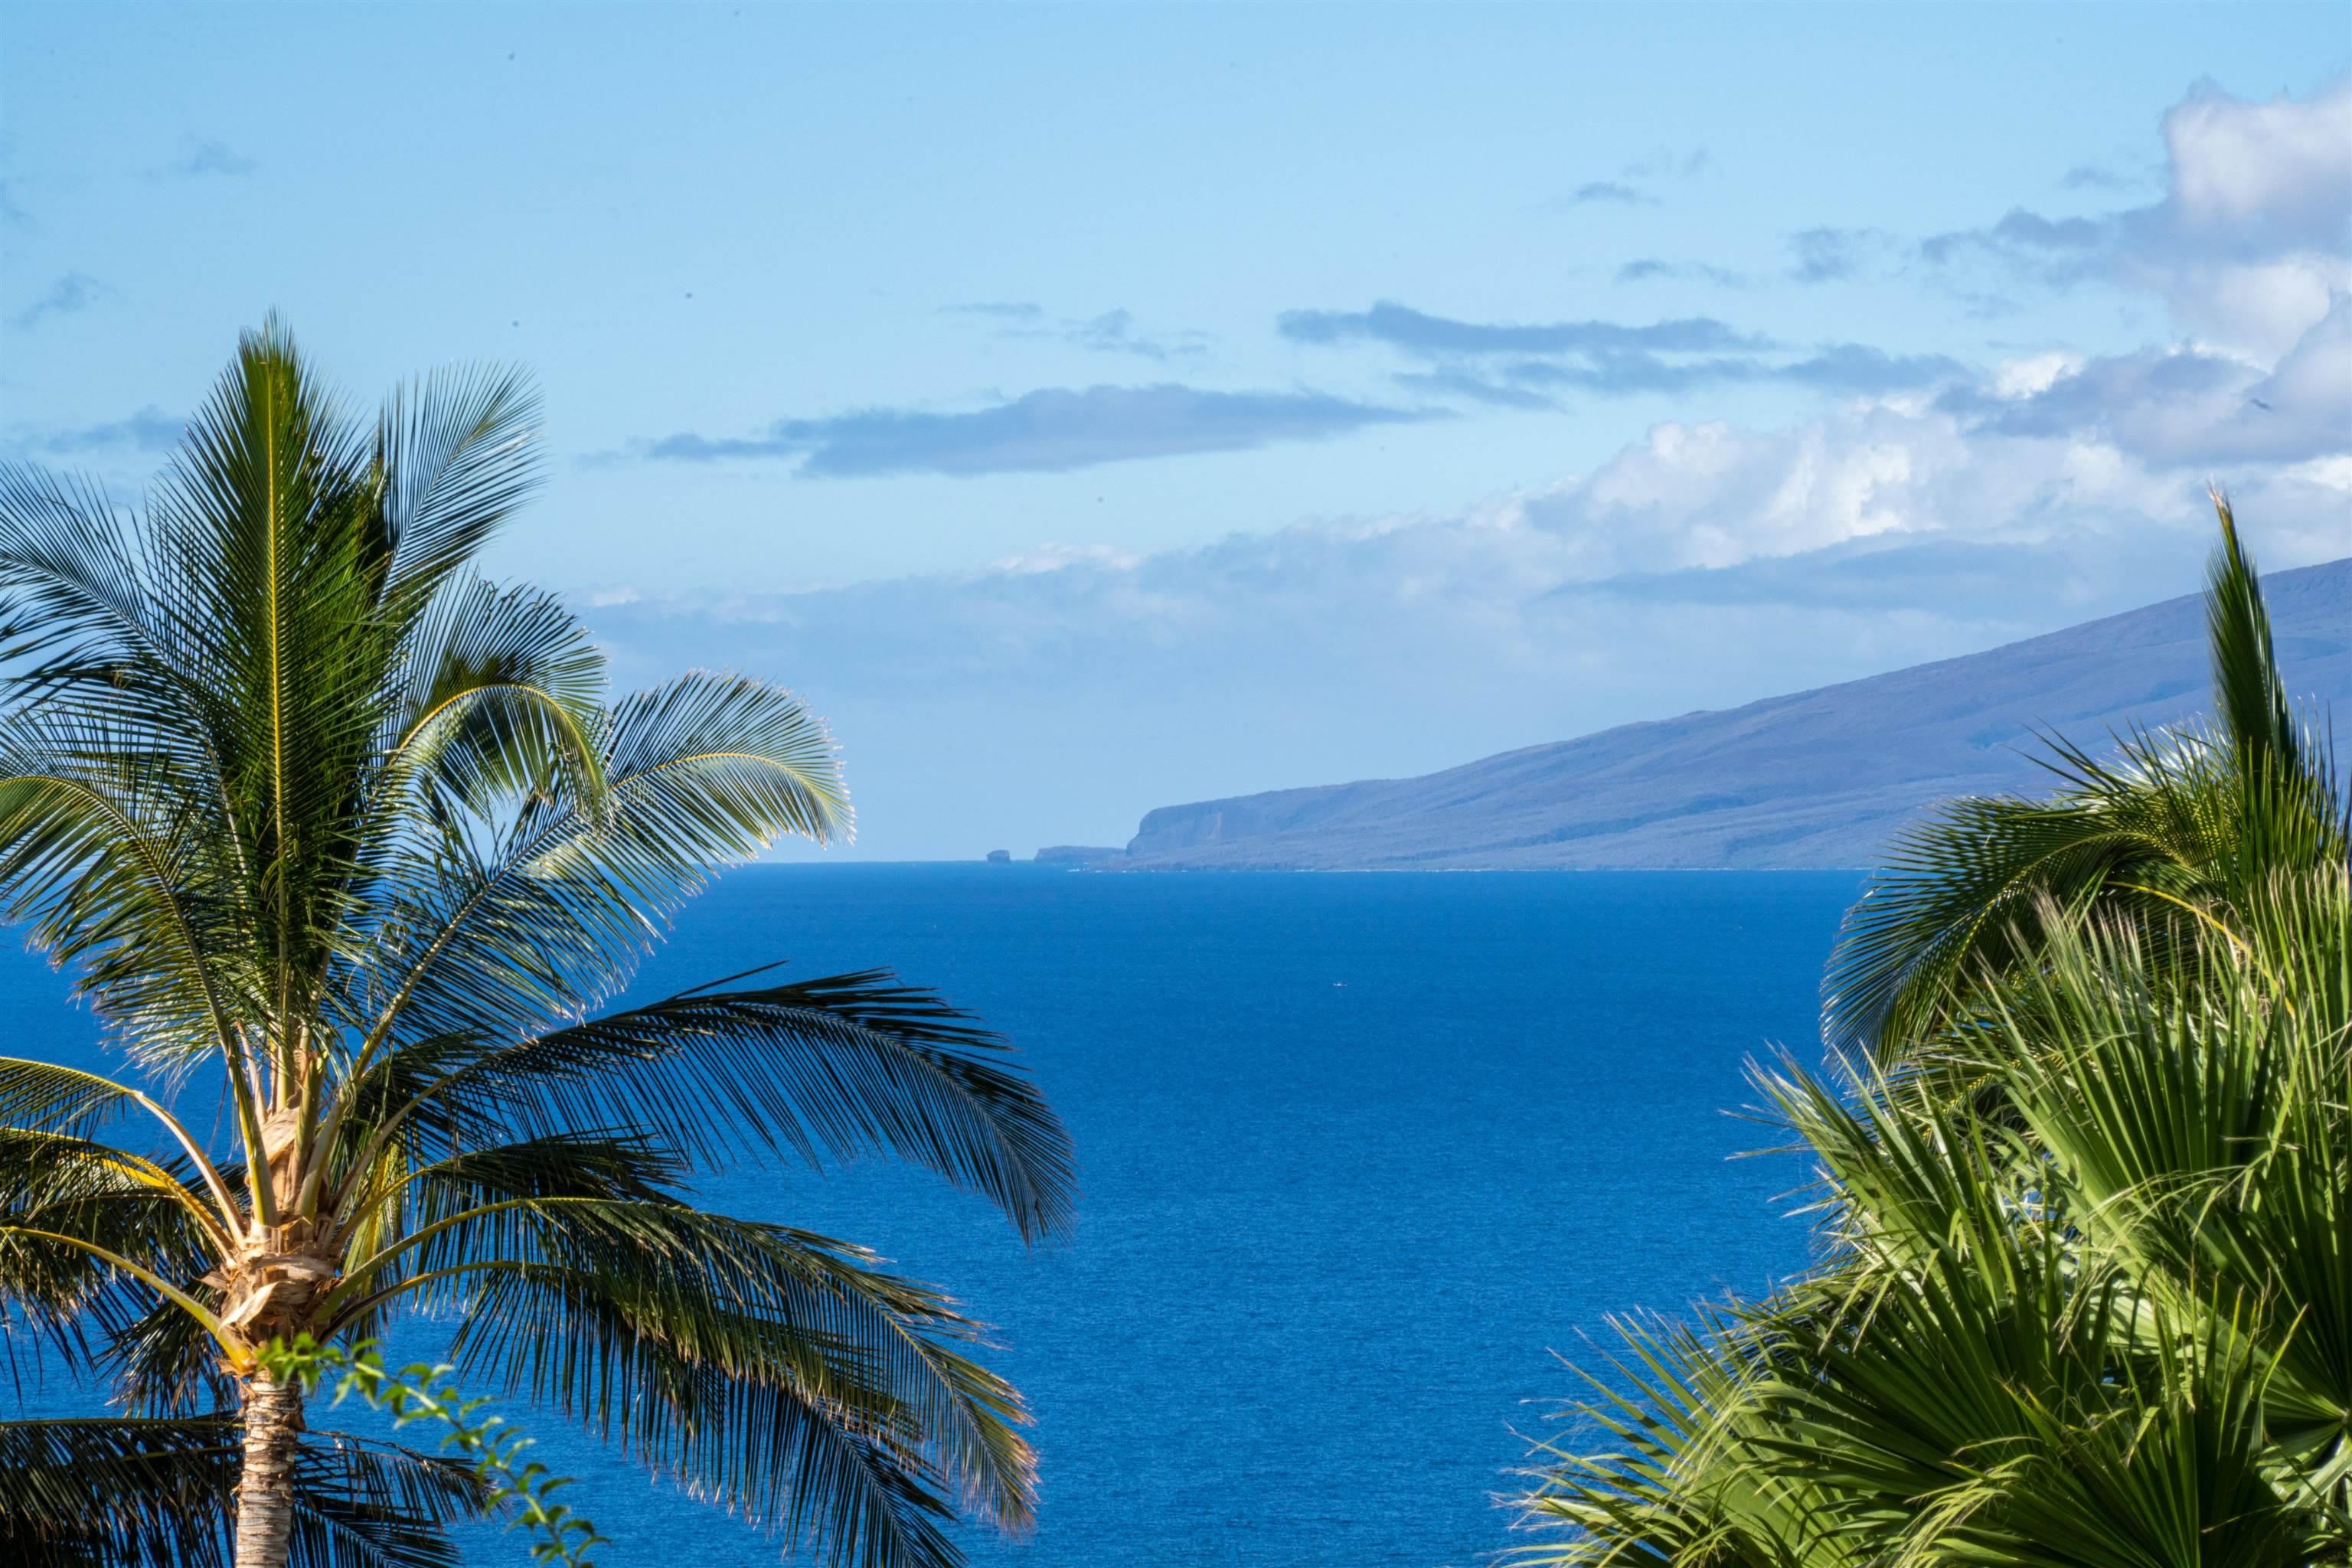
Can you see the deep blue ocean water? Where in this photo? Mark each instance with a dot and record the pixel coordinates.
(1358, 1154)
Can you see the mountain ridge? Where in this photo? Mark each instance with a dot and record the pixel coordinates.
(1811, 779)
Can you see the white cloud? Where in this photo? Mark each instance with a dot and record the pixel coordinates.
(2282, 164)
(1705, 565)
(1319, 600)
(2033, 374)
(2251, 244)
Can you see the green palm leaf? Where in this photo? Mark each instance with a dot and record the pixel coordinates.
(836, 1066)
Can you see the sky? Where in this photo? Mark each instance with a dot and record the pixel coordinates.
(1090, 408)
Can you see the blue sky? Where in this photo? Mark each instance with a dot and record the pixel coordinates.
(1093, 408)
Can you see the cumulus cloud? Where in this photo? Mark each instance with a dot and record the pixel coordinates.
(1054, 430)
(2186, 407)
(2251, 244)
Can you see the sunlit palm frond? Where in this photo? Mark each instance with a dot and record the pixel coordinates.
(2250, 700)
(267, 533)
(81, 625)
(505, 693)
(829, 1067)
(2206, 1132)
(117, 879)
(458, 453)
(554, 914)
(1675, 1479)
(72, 1213)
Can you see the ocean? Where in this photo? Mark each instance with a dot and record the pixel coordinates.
(1362, 1156)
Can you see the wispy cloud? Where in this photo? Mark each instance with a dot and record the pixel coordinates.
(1521, 364)
(2063, 244)
(1609, 192)
(203, 159)
(1665, 162)
(1051, 430)
(1828, 254)
(2092, 177)
(1465, 384)
(1635, 183)
(1653, 268)
(148, 431)
(1418, 332)
(69, 294)
(1112, 331)
(11, 216)
(1842, 369)
(1000, 309)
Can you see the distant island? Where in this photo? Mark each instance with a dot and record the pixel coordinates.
(1818, 779)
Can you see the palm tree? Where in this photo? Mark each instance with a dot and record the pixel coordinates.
(2113, 1328)
(2097, 1309)
(315, 813)
(2195, 817)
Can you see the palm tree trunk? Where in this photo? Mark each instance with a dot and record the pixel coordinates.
(265, 1494)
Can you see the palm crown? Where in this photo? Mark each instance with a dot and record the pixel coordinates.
(2197, 817)
(310, 808)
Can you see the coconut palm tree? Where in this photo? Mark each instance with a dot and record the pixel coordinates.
(2096, 1310)
(319, 817)
(2198, 816)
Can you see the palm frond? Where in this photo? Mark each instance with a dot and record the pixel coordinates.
(778, 1371)
(458, 451)
(128, 1206)
(109, 860)
(505, 690)
(504, 937)
(2249, 697)
(836, 1066)
(127, 1494)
